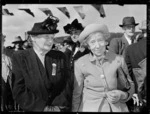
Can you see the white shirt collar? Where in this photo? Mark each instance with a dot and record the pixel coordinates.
(128, 39)
(76, 50)
(41, 56)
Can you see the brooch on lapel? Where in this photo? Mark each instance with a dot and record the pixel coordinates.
(54, 69)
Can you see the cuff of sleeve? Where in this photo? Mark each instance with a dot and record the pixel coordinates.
(125, 100)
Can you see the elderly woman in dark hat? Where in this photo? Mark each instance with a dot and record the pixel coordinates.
(74, 29)
(74, 51)
(40, 76)
(96, 83)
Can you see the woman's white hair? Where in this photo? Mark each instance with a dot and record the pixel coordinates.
(85, 41)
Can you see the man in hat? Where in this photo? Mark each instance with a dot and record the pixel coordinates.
(40, 76)
(18, 43)
(7, 102)
(143, 29)
(136, 62)
(118, 45)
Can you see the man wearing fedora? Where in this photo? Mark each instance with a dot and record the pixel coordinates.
(40, 76)
(118, 45)
(143, 29)
(136, 62)
(18, 43)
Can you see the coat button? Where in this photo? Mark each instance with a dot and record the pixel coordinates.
(102, 75)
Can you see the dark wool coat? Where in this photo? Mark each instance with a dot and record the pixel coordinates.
(136, 53)
(34, 86)
(118, 45)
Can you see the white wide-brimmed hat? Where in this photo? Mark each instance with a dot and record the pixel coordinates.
(91, 28)
(143, 25)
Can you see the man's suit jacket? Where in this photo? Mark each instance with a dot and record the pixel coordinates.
(34, 86)
(118, 45)
(135, 54)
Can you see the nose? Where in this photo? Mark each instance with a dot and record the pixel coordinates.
(51, 40)
(97, 45)
(73, 36)
(132, 28)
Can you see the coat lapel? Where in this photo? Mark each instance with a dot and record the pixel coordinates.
(124, 41)
(123, 44)
(38, 73)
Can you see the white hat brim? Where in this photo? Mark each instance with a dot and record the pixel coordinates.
(91, 28)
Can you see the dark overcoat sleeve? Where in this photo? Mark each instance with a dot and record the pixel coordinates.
(129, 66)
(22, 93)
(132, 85)
(113, 47)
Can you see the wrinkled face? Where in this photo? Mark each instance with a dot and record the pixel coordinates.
(97, 44)
(43, 42)
(75, 34)
(129, 30)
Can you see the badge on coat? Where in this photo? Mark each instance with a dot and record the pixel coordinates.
(54, 69)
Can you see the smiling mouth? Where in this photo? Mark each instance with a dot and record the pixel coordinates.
(97, 50)
(49, 45)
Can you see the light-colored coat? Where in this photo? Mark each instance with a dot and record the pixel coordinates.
(90, 85)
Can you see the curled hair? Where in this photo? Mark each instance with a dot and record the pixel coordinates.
(84, 42)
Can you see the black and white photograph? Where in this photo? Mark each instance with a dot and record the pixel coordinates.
(74, 58)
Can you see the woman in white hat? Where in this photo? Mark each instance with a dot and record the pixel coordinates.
(95, 83)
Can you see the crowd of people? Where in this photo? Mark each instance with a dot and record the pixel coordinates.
(84, 73)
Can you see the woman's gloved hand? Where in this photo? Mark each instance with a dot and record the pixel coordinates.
(115, 95)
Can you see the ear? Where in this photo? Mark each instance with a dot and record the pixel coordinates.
(32, 38)
(88, 47)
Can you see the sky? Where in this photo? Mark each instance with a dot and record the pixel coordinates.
(21, 22)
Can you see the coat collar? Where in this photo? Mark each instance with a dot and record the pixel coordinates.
(40, 70)
(109, 57)
(92, 58)
(124, 40)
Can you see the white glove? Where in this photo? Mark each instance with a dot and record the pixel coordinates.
(51, 109)
(115, 95)
(136, 100)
